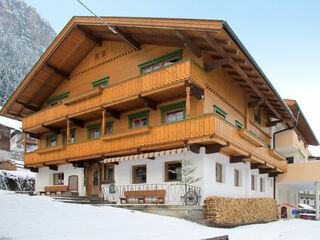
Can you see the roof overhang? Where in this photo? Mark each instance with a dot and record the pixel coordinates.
(212, 37)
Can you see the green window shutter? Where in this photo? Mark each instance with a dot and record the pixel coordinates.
(139, 114)
(220, 111)
(64, 95)
(103, 80)
(173, 106)
(92, 127)
(239, 124)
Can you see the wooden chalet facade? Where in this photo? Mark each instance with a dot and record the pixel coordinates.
(157, 91)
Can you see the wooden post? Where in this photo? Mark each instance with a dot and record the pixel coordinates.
(25, 142)
(103, 128)
(68, 131)
(188, 102)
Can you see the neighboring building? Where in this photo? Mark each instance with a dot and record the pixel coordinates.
(4, 142)
(116, 112)
(298, 184)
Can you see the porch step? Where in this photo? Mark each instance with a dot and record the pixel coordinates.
(93, 200)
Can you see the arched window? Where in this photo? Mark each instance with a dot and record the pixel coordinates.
(95, 178)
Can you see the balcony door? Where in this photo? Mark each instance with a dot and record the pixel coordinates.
(93, 180)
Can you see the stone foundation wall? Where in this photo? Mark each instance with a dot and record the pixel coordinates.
(237, 211)
(8, 165)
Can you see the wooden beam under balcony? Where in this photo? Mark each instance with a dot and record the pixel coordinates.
(58, 71)
(90, 36)
(149, 103)
(238, 158)
(214, 65)
(215, 148)
(52, 167)
(189, 44)
(51, 129)
(16, 114)
(28, 106)
(273, 123)
(255, 165)
(265, 170)
(34, 169)
(33, 135)
(77, 122)
(128, 39)
(273, 174)
(194, 90)
(112, 113)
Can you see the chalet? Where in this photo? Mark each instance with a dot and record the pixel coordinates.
(115, 110)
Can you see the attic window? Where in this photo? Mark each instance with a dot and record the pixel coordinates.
(104, 53)
(96, 56)
(220, 112)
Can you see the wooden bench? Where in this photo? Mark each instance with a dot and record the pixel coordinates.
(142, 195)
(54, 189)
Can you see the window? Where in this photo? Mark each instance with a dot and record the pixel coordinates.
(172, 171)
(173, 113)
(94, 131)
(163, 61)
(253, 182)
(137, 120)
(139, 174)
(103, 83)
(109, 173)
(236, 178)
(104, 53)
(95, 178)
(51, 140)
(257, 114)
(239, 125)
(109, 127)
(289, 159)
(262, 184)
(219, 172)
(58, 179)
(72, 136)
(219, 112)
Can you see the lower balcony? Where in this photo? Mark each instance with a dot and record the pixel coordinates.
(209, 131)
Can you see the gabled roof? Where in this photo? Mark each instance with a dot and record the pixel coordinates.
(303, 126)
(82, 34)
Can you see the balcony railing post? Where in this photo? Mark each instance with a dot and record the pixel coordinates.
(188, 101)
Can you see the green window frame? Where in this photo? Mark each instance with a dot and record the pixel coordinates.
(160, 59)
(220, 112)
(102, 80)
(239, 125)
(136, 115)
(93, 127)
(173, 106)
(64, 133)
(110, 124)
(54, 99)
(51, 136)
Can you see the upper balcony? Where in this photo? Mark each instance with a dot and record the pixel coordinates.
(164, 83)
(209, 131)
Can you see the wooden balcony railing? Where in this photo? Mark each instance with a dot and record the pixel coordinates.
(193, 128)
(178, 72)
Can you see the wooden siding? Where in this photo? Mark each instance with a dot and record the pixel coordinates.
(177, 132)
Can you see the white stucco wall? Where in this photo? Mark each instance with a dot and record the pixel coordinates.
(45, 177)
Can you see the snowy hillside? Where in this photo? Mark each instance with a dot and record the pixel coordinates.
(24, 36)
(26, 217)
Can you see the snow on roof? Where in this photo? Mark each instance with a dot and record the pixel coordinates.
(305, 206)
(11, 123)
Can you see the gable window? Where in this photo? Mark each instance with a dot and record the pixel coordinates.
(94, 131)
(262, 184)
(160, 62)
(219, 112)
(236, 178)
(58, 179)
(289, 160)
(253, 187)
(109, 172)
(51, 140)
(172, 171)
(257, 114)
(219, 172)
(137, 120)
(103, 83)
(139, 174)
(72, 136)
(173, 113)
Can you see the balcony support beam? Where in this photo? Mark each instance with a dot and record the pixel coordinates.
(265, 170)
(189, 44)
(194, 90)
(112, 113)
(215, 148)
(273, 174)
(238, 158)
(52, 129)
(211, 66)
(103, 127)
(188, 104)
(33, 135)
(34, 169)
(68, 131)
(148, 102)
(255, 165)
(273, 123)
(28, 106)
(77, 122)
(53, 167)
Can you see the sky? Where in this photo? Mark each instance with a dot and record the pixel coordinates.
(282, 36)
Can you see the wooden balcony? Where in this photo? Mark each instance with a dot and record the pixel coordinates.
(205, 130)
(122, 94)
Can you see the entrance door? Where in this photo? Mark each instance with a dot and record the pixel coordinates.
(73, 183)
(93, 181)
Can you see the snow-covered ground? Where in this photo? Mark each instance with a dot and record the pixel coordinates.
(25, 217)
